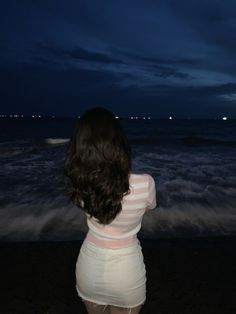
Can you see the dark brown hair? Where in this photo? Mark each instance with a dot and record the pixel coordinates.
(98, 165)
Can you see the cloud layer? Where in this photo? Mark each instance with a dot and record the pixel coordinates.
(154, 57)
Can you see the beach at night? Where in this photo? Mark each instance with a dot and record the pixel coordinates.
(188, 240)
(99, 99)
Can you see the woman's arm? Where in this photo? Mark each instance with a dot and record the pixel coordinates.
(151, 200)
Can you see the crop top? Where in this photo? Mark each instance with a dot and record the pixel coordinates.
(122, 231)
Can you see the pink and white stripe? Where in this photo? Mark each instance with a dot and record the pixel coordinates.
(122, 231)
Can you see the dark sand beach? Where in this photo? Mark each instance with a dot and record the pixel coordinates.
(184, 276)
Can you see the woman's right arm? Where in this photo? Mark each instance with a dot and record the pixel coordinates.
(151, 200)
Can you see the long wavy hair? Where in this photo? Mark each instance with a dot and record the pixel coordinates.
(98, 165)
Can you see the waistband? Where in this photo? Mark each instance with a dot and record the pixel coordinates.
(136, 244)
(112, 243)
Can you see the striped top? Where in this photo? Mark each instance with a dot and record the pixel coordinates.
(122, 231)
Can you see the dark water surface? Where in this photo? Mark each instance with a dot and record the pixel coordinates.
(193, 163)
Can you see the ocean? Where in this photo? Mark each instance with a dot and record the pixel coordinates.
(193, 162)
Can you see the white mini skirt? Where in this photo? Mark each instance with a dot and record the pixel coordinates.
(111, 276)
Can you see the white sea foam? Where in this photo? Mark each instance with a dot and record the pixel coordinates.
(56, 140)
(57, 219)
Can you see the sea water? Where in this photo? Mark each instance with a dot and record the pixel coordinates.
(193, 162)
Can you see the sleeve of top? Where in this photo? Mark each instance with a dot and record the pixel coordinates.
(151, 200)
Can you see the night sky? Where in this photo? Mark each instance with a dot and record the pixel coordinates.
(153, 58)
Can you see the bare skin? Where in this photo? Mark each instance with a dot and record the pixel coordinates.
(93, 308)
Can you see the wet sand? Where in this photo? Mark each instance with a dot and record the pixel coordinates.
(184, 276)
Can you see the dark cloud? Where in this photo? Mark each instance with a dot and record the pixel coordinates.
(53, 55)
(176, 61)
(166, 72)
(194, 94)
(51, 50)
(83, 54)
(66, 90)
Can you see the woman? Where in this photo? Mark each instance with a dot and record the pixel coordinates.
(110, 270)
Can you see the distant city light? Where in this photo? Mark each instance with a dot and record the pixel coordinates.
(132, 117)
(117, 117)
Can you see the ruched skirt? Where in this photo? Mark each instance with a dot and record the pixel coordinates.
(111, 276)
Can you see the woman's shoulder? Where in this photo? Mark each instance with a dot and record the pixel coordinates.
(144, 180)
(139, 175)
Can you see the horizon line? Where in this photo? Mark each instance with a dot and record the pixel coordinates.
(40, 116)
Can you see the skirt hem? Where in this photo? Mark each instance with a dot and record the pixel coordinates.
(98, 302)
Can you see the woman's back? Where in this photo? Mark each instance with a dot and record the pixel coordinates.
(122, 231)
